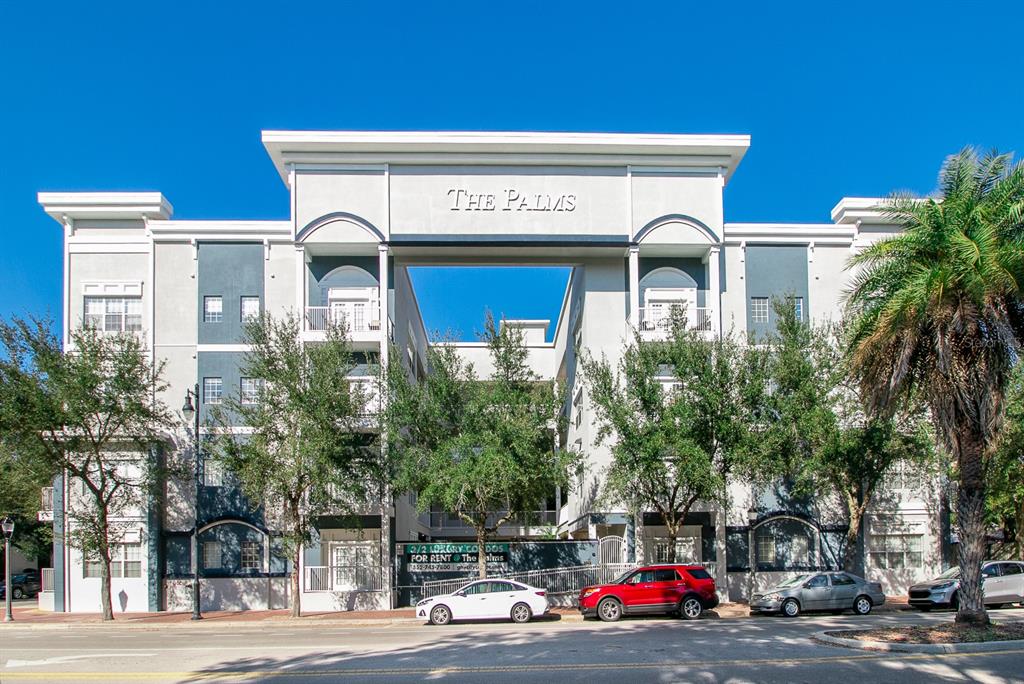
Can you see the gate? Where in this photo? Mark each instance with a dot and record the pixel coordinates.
(611, 550)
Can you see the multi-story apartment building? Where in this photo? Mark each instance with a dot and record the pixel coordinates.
(639, 220)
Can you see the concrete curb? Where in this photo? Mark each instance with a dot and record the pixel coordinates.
(977, 647)
(245, 625)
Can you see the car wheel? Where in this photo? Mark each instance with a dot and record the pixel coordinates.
(690, 608)
(18, 593)
(440, 615)
(521, 613)
(790, 608)
(862, 605)
(609, 610)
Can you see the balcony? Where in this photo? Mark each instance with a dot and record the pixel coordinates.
(45, 513)
(654, 323)
(440, 520)
(363, 324)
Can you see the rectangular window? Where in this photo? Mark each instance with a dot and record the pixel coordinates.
(211, 555)
(252, 555)
(213, 309)
(798, 308)
(250, 393)
(895, 551)
(765, 547)
(759, 309)
(125, 561)
(114, 314)
(213, 390)
(250, 308)
(213, 473)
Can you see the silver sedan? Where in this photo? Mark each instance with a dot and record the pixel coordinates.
(835, 591)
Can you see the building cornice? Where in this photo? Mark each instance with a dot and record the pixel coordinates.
(105, 205)
(800, 233)
(479, 147)
(221, 230)
(856, 210)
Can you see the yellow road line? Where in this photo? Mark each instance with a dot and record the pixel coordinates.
(207, 675)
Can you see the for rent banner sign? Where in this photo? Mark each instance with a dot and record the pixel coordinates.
(435, 557)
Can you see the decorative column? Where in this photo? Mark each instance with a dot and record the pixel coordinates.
(634, 286)
(714, 299)
(386, 502)
(300, 284)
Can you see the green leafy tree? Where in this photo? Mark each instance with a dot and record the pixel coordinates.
(480, 449)
(91, 413)
(936, 312)
(312, 450)
(817, 435)
(678, 415)
(1006, 472)
(22, 477)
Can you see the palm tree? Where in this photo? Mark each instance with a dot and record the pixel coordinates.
(937, 313)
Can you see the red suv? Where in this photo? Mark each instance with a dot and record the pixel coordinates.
(684, 590)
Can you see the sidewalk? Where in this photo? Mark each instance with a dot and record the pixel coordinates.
(33, 617)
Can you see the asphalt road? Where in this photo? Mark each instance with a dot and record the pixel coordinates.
(764, 649)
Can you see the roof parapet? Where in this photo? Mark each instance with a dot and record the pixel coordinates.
(105, 205)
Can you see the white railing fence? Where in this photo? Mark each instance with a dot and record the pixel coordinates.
(343, 578)
(46, 499)
(319, 318)
(568, 580)
(660, 319)
(46, 579)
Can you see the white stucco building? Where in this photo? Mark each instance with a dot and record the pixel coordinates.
(639, 220)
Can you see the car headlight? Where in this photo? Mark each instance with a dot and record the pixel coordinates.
(944, 585)
(591, 591)
(424, 602)
(772, 597)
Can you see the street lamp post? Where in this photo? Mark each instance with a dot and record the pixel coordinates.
(191, 414)
(8, 528)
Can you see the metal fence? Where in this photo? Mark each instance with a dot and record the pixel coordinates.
(320, 578)
(46, 579)
(568, 580)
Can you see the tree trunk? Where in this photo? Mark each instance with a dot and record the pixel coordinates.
(970, 513)
(296, 594)
(856, 512)
(673, 533)
(1019, 524)
(481, 551)
(104, 551)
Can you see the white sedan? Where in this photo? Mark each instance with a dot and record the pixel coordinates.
(485, 600)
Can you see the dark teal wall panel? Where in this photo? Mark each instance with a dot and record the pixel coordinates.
(775, 271)
(230, 270)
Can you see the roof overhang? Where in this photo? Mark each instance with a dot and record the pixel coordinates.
(476, 147)
(105, 205)
(855, 210)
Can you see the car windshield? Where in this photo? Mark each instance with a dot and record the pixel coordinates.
(793, 581)
(952, 573)
(622, 578)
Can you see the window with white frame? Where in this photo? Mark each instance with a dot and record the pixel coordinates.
(895, 551)
(355, 565)
(213, 473)
(250, 308)
(798, 308)
(765, 545)
(252, 555)
(905, 476)
(759, 309)
(114, 314)
(213, 309)
(685, 547)
(250, 391)
(212, 559)
(125, 561)
(213, 390)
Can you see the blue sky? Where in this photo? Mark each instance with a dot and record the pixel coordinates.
(856, 98)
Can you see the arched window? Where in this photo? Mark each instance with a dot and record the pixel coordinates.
(231, 548)
(787, 543)
(664, 291)
(351, 295)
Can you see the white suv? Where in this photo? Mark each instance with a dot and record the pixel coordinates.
(1003, 583)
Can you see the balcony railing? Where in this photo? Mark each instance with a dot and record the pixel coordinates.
(535, 518)
(660, 319)
(45, 505)
(321, 578)
(320, 318)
